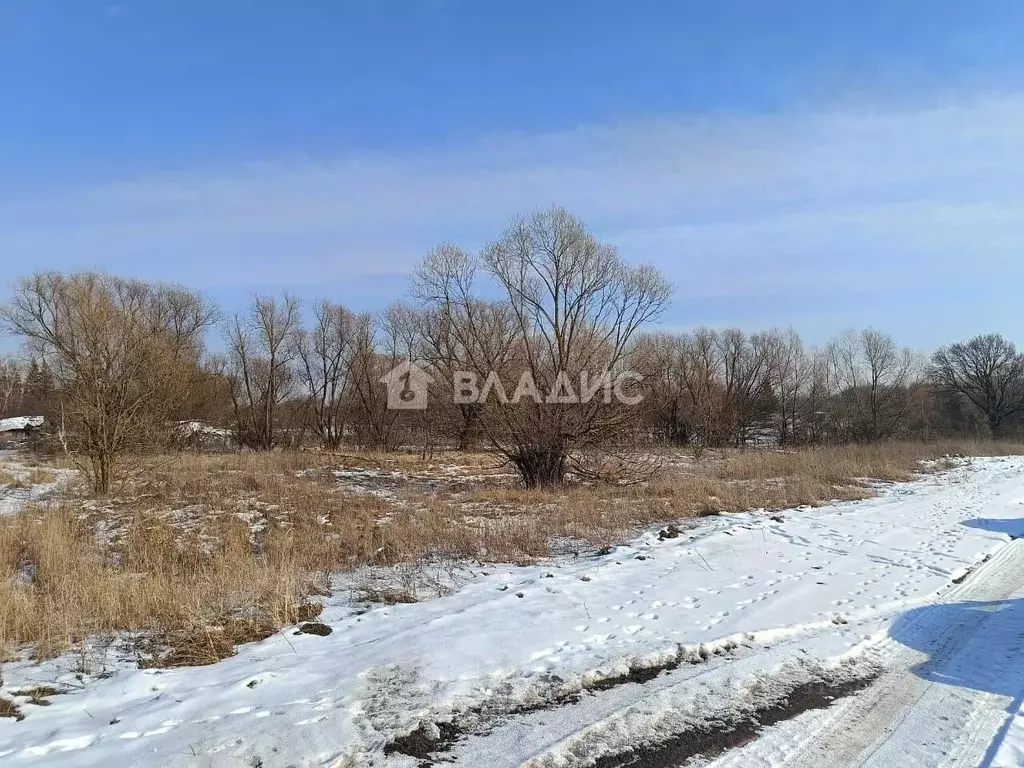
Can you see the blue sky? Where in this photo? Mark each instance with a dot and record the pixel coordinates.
(821, 164)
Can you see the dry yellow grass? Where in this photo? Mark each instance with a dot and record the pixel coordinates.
(723, 482)
(40, 476)
(202, 552)
(9, 709)
(34, 476)
(9, 479)
(60, 585)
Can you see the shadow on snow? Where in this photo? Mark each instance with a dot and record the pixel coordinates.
(978, 645)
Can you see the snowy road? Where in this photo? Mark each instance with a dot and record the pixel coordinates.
(949, 697)
(555, 665)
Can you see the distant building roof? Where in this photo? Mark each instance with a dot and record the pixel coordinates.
(21, 423)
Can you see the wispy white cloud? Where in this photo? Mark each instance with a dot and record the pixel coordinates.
(855, 202)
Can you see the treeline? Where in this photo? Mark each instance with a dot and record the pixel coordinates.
(121, 367)
(720, 388)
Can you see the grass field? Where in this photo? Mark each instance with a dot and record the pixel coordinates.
(198, 553)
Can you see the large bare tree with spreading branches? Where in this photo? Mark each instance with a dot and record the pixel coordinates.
(987, 371)
(569, 314)
(124, 356)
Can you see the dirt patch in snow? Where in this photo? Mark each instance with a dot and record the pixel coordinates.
(431, 739)
(712, 739)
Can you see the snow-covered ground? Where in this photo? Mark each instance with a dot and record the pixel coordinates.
(751, 600)
(14, 499)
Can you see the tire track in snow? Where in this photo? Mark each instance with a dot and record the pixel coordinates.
(533, 740)
(923, 710)
(526, 741)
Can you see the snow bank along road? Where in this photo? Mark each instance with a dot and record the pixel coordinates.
(912, 599)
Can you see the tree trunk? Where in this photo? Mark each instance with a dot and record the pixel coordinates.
(541, 466)
(101, 472)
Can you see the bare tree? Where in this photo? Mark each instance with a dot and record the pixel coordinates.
(684, 378)
(871, 376)
(988, 372)
(460, 332)
(12, 386)
(325, 356)
(704, 381)
(788, 373)
(261, 347)
(812, 420)
(748, 393)
(378, 348)
(575, 308)
(122, 355)
(658, 358)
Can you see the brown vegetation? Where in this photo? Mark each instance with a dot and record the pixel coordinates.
(62, 586)
(10, 479)
(202, 552)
